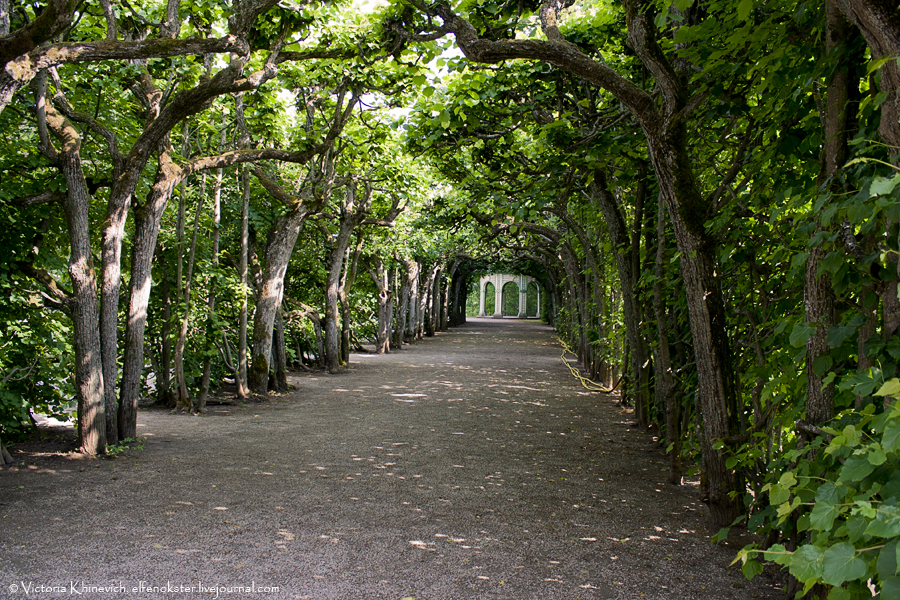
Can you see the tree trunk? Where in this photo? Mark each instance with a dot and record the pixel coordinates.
(402, 327)
(200, 404)
(435, 301)
(348, 278)
(93, 425)
(184, 396)
(240, 374)
(146, 231)
(332, 285)
(879, 22)
(164, 376)
(380, 276)
(279, 355)
(111, 278)
(412, 299)
(665, 382)
(5, 458)
(818, 293)
(425, 312)
(277, 257)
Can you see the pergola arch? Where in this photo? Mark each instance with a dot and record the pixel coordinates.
(499, 280)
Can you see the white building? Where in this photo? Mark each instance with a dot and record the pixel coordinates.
(505, 280)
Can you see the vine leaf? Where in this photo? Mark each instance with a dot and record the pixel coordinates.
(841, 564)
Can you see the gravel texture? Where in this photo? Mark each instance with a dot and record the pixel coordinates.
(470, 465)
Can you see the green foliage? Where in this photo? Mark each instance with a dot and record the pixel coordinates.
(842, 496)
(116, 450)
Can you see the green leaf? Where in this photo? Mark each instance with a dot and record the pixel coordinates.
(856, 527)
(891, 489)
(807, 563)
(887, 564)
(823, 514)
(876, 455)
(887, 521)
(838, 333)
(891, 440)
(841, 564)
(890, 388)
(837, 593)
(778, 495)
(856, 468)
(787, 479)
(801, 333)
(744, 8)
(822, 364)
(751, 568)
(828, 492)
(890, 588)
(778, 555)
(883, 186)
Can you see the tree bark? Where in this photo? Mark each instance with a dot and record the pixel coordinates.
(89, 381)
(818, 293)
(5, 458)
(277, 256)
(54, 19)
(380, 277)
(434, 312)
(184, 396)
(240, 374)
(164, 376)
(625, 257)
(424, 311)
(411, 299)
(879, 23)
(401, 307)
(665, 382)
(353, 209)
(146, 230)
(279, 354)
(200, 404)
(347, 280)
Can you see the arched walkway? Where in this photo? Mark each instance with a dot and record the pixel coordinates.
(495, 285)
(434, 473)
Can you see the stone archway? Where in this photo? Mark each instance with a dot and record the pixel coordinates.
(495, 285)
(488, 298)
(533, 300)
(510, 300)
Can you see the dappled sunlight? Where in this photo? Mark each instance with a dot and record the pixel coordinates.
(492, 472)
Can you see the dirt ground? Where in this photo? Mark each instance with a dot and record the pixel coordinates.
(470, 465)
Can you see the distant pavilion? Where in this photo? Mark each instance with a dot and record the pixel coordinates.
(501, 284)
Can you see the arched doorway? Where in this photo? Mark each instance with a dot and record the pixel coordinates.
(532, 300)
(490, 299)
(510, 300)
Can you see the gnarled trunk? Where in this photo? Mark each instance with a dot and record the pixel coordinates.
(380, 276)
(411, 299)
(93, 426)
(278, 255)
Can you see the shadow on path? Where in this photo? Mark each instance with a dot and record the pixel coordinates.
(467, 466)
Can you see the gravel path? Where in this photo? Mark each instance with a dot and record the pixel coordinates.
(468, 466)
